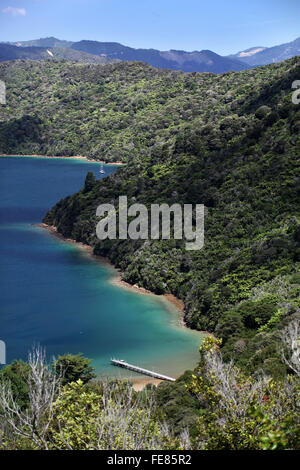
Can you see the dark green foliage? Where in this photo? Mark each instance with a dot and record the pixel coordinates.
(239, 157)
(178, 406)
(90, 181)
(16, 374)
(229, 142)
(230, 326)
(262, 112)
(256, 313)
(74, 367)
(244, 169)
(124, 111)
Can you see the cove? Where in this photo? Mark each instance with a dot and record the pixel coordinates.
(55, 295)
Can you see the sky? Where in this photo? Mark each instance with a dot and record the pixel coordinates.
(223, 26)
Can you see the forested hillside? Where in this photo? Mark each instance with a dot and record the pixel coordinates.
(230, 142)
(116, 112)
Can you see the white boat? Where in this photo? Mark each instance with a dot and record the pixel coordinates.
(101, 169)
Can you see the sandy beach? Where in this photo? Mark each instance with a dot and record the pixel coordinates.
(170, 298)
(176, 304)
(139, 384)
(75, 157)
(116, 279)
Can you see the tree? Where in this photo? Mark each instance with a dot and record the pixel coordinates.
(116, 418)
(291, 341)
(74, 367)
(31, 425)
(90, 181)
(16, 374)
(244, 412)
(107, 415)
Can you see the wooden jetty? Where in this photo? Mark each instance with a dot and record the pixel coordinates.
(140, 370)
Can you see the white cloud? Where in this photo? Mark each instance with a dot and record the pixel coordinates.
(14, 11)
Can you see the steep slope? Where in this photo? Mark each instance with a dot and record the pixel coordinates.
(112, 113)
(238, 153)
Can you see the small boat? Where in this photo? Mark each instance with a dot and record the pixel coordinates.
(102, 170)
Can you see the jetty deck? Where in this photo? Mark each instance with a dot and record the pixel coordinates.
(140, 370)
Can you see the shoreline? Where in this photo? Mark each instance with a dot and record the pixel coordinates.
(170, 298)
(172, 302)
(74, 157)
(116, 279)
(139, 384)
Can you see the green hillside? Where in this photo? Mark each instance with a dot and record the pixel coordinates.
(230, 142)
(117, 112)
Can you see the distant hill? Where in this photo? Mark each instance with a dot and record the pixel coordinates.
(268, 55)
(242, 55)
(43, 42)
(11, 52)
(230, 142)
(107, 52)
(197, 61)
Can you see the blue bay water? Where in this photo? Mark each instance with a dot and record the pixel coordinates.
(54, 294)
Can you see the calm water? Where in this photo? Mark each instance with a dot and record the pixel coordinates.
(53, 294)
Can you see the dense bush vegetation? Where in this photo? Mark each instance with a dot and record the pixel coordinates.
(124, 111)
(242, 412)
(230, 142)
(240, 158)
(217, 407)
(76, 416)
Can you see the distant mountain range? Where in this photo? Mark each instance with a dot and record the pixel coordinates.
(12, 52)
(197, 61)
(107, 52)
(104, 52)
(43, 42)
(268, 55)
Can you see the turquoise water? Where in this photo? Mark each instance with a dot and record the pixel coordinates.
(54, 294)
